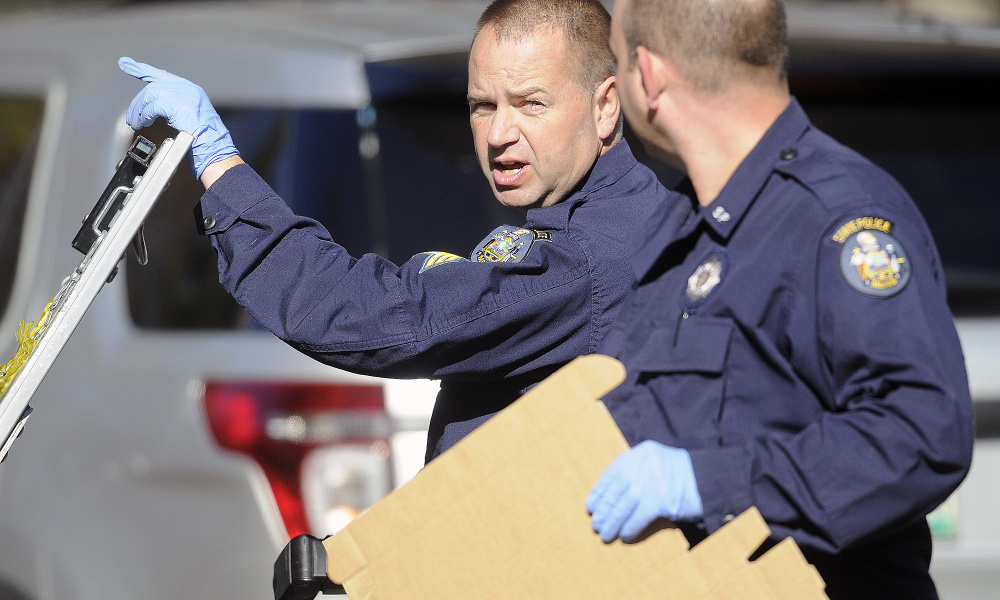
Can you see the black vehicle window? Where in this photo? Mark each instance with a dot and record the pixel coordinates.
(938, 134)
(20, 124)
(396, 178)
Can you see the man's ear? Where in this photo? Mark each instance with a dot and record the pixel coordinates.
(606, 108)
(652, 73)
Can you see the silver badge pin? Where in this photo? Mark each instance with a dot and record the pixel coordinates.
(720, 214)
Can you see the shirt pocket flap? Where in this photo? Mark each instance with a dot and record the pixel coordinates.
(701, 347)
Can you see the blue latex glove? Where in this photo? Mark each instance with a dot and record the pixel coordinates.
(645, 482)
(185, 107)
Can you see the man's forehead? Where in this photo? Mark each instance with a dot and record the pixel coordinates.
(539, 39)
(525, 64)
(520, 33)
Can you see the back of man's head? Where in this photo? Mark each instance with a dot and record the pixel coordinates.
(712, 42)
(585, 24)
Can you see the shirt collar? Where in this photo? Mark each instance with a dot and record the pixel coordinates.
(675, 221)
(670, 222)
(743, 187)
(609, 168)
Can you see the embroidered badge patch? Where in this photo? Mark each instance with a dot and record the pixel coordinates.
(438, 258)
(705, 279)
(871, 260)
(505, 244)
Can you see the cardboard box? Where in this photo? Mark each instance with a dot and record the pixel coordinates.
(502, 515)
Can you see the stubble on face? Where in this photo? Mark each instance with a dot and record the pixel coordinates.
(533, 126)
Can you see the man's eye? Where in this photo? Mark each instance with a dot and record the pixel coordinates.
(478, 107)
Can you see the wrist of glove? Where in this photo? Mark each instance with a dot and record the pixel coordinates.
(185, 107)
(644, 483)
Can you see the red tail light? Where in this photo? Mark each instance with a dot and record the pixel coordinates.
(323, 448)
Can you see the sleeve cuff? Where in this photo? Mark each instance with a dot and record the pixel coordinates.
(239, 189)
(723, 478)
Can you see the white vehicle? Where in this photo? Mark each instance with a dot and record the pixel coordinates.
(175, 446)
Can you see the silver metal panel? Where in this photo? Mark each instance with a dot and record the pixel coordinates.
(84, 284)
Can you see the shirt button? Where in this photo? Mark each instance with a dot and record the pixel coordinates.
(789, 153)
(209, 223)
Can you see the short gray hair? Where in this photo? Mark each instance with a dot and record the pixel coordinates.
(585, 24)
(711, 40)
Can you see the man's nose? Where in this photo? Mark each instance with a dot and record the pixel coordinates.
(503, 128)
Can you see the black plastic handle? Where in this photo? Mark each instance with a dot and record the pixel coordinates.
(300, 571)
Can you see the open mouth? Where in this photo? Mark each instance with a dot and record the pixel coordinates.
(508, 173)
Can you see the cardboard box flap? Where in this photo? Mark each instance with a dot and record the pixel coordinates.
(502, 515)
(360, 587)
(733, 544)
(788, 574)
(350, 559)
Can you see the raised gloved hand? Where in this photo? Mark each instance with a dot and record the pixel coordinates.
(645, 482)
(185, 107)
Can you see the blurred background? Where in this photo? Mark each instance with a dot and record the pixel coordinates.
(982, 12)
(175, 446)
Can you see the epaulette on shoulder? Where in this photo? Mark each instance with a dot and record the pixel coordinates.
(839, 177)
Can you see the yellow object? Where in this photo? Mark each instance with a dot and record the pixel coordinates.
(27, 336)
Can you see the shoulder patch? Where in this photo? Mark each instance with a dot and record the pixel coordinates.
(434, 259)
(505, 244)
(872, 261)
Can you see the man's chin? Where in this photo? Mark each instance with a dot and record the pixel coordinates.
(516, 197)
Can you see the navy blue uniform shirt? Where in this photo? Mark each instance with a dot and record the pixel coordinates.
(543, 294)
(794, 337)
